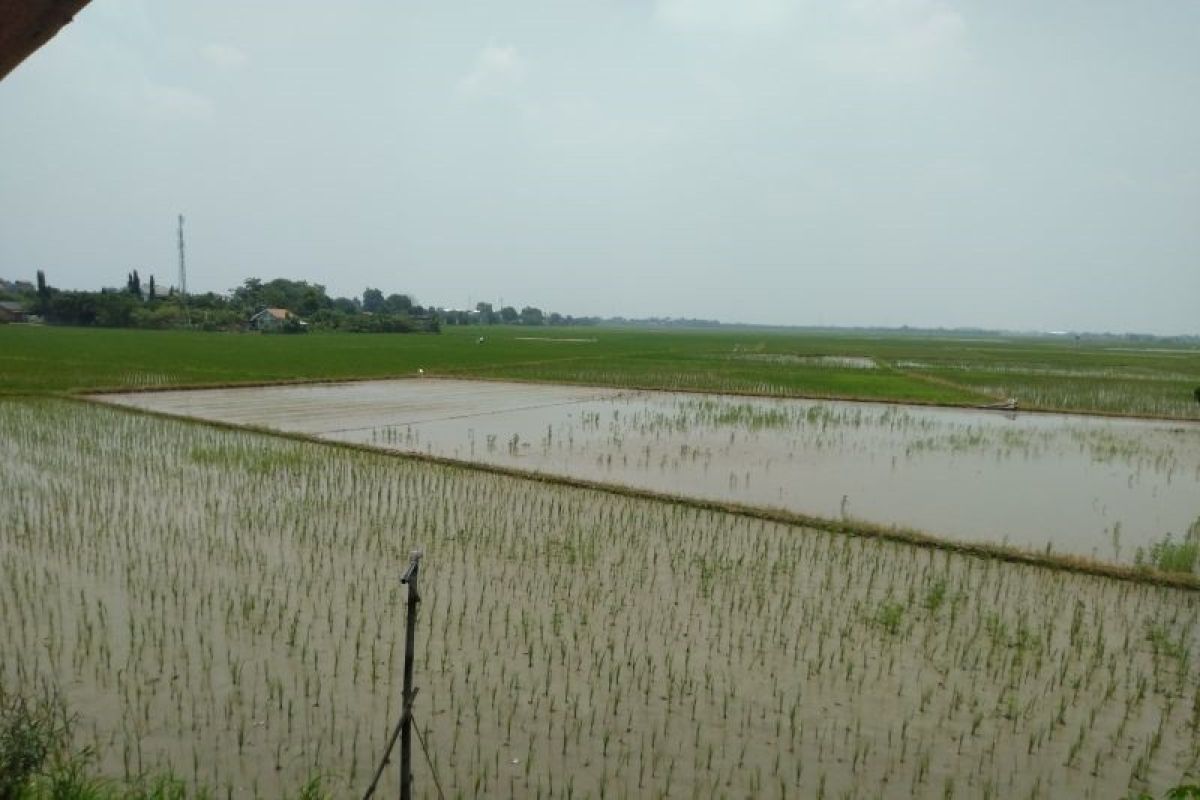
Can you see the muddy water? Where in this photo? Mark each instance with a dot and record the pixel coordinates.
(1088, 486)
(238, 620)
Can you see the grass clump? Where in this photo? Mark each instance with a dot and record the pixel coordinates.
(890, 616)
(1168, 555)
(1182, 792)
(38, 761)
(935, 596)
(31, 735)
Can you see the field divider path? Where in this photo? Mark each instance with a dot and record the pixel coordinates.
(847, 526)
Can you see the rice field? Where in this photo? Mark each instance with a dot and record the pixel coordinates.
(1098, 488)
(1115, 376)
(226, 605)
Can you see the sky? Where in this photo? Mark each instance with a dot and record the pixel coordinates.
(1015, 165)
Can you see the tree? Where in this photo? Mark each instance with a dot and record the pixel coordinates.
(133, 284)
(311, 301)
(372, 301)
(72, 308)
(250, 286)
(151, 287)
(42, 289)
(43, 293)
(299, 296)
(208, 300)
(508, 314)
(113, 309)
(398, 304)
(531, 316)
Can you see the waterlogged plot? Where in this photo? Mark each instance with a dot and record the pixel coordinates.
(1109, 489)
(226, 605)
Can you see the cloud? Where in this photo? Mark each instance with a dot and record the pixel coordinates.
(223, 56)
(878, 39)
(582, 124)
(498, 70)
(740, 16)
(176, 102)
(895, 39)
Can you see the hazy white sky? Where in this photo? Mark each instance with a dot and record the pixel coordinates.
(1023, 165)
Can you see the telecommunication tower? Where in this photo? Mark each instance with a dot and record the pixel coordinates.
(182, 264)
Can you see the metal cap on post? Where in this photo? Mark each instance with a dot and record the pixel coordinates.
(414, 566)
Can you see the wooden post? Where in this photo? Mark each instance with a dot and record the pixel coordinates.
(410, 634)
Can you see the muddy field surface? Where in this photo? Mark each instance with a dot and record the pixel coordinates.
(227, 605)
(1102, 488)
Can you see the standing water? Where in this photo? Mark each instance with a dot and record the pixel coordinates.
(1097, 487)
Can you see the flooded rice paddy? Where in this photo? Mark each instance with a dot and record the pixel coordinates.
(226, 605)
(1096, 487)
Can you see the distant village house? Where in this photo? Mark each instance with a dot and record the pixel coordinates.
(11, 312)
(271, 320)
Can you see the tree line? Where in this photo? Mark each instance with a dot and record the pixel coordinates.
(146, 304)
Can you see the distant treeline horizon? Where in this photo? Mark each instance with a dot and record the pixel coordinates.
(146, 304)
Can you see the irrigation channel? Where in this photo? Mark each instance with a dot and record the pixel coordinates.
(1099, 488)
